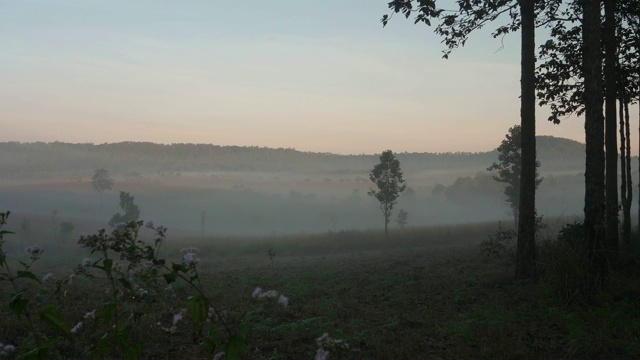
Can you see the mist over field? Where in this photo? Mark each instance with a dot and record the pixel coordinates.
(262, 191)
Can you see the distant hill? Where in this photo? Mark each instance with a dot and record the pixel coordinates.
(39, 160)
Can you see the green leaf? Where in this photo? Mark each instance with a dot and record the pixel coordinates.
(170, 277)
(126, 284)
(198, 308)
(235, 347)
(3, 232)
(107, 265)
(50, 316)
(18, 304)
(103, 346)
(31, 354)
(28, 275)
(178, 267)
(109, 310)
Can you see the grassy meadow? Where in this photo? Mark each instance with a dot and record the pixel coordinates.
(424, 293)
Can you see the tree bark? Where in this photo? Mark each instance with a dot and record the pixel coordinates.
(626, 206)
(610, 47)
(526, 248)
(594, 206)
(623, 171)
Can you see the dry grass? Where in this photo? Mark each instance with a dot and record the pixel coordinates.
(425, 293)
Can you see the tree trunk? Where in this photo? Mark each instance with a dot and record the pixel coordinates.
(594, 207)
(626, 205)
(623, 171)
(610, 47)
(526, 251)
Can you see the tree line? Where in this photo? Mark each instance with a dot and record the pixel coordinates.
(35, 160)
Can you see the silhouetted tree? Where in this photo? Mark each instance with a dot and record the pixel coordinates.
(102, 182)
(455, 27)
(402, 219)
(594, 201)
(611, 136)
(626, 183)
(561, 83)
(508, 169)
(131, 210)
(387, 176)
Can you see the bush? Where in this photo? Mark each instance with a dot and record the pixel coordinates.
(564, 264)
(499, 244)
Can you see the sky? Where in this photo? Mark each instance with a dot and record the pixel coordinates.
(314, 75)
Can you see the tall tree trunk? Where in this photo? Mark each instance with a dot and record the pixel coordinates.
(626, 205)
(594, 207)
(610, 47)
(623, 170)
(526, 252)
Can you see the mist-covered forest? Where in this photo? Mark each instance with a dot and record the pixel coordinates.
(252, 190)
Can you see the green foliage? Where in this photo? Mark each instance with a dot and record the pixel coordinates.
(565, 265)
(101, 180)
(508, 167)
(131, 210)
(499, 244)
(387, 176)
(402, 219)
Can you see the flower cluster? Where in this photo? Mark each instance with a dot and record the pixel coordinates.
(34, 251)
(189, 257)
(258, 293)
(325, 342)
(177, 318)
(6, 350)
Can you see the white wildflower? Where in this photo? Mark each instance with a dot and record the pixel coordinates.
(320, 341)
(261, 294)
(268, 294)
(283, 300)
(47, 277)
(90, 315)
(34, 250)
(8, 349)
(76, 328)
(219, 356)
(177, 318)
(190, 258)
(256, 292)
(86, 262)
(322, 354)
(70, 279)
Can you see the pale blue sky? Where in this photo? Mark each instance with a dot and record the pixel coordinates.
(315, 75)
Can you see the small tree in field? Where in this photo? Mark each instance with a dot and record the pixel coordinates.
(508, 169)
(101, 182)
(131, 210)
(402, 219)
(388, 179)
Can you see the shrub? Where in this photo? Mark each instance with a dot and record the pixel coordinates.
(564, 264)
(499, 244)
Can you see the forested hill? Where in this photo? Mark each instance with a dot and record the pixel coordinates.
(33, 160)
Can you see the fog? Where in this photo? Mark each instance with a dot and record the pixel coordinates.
(312, 199)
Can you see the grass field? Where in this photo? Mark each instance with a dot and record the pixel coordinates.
(424, 293)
